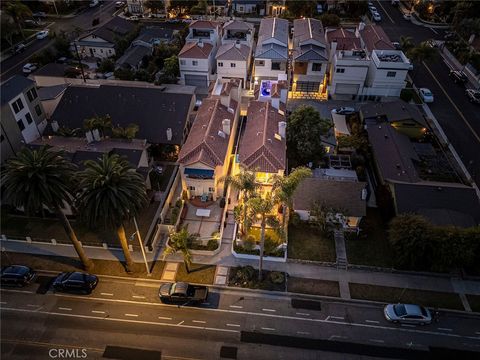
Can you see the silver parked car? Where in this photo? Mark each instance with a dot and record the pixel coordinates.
(407, 314)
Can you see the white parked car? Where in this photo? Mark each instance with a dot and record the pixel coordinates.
(28, 68)
(376, 16)
(426, 95)
(407, 313)
(42, 34)
(407, 16)
(119, 4)
(344, 110)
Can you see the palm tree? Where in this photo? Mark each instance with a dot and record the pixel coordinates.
(178, 242)
(101, 123)
(111, 192)
(18, 12)
(421, 53)
(406, 43)
(245, 182)
(261, 208)
(284, 188)
(35, 179)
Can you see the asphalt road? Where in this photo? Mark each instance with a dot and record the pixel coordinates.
(459, 118)
(121, 309)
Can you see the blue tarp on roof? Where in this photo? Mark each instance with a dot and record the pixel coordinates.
(199, 173)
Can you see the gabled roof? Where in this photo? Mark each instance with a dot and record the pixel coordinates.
(192, 50)
(204, 143)
(14, 86)
(375, 38)
(394, 153)
(51, 92)
(391, 112)
(237, 25)
(115, 28)
(150, 33)
(272, 39)
(260, 149)
(233, 51)
(151, 108)
(308, 31)
(442, 204)
(345, 38)
(134, 55)
(203, 24)
(340, 195)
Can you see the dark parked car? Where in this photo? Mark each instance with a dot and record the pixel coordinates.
(17, 275)
(19, 48)
(183, 293)
(458, 77)
(76, 282)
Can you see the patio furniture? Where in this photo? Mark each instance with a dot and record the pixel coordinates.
(203, 213)
(204, 198)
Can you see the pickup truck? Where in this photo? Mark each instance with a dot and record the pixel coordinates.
(183, 293)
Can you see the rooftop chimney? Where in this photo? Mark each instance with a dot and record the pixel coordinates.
(200, 43)
(169, 134)
(282, 127)
(237, 44)
(226, 126)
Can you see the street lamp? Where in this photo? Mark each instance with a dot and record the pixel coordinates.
(137, 232)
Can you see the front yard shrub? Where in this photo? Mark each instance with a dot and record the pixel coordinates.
(244, 274)
(249, 243)
(212, 245)
(277, 277)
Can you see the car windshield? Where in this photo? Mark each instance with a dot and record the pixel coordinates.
(424, 311)
(427, 93)
(400, 310)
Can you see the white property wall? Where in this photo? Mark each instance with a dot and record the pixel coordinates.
(266, 71)
(31, 131)
(227, 71)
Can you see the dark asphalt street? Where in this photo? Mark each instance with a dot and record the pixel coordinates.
(121, 309)
(459, 118)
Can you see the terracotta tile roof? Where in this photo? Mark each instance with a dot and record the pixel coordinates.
(227, 86)
(203, 24)
(259, 149)
(277, 88)
(232, 52)
(374, 37)
(193, 51)
(204, 144)
(237, 25)
(341, 195)
(345, 38)
(308, 29)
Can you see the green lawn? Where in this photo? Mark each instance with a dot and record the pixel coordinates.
(199, 273)
(371, 246)
(256, 232)
(394, 295)
(474, 301)
(60, 264)
(313, 286)
(306, 243)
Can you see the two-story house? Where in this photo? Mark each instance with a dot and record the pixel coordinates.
(22, 115)
(248, 7)
(271, 53)
(205, 156)
(235, 53)
(135, 7)
(310, 57)
(197, 57)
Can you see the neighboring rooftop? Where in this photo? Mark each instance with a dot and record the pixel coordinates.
(341, 195)
(52, 69)
(152, 34)
(272, 39)
(374, 38)
(261, 146)
(14, 86)
(134, 55)
(206, 142)
(151, 107)
(309, 40)
(345, 38)
(394, 153)
(391, 112)
(203, 24)
(233, 51)
(117, 27)
(238, 25)
(442, 204)
(194, 50)
(51, 92)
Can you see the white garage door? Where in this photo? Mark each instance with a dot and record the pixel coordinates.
(196, 80)
(347, 89)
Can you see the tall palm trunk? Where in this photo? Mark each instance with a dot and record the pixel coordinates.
(126, 252)
(284, 215)
(244, 220)
(262, 246)
(87, 263)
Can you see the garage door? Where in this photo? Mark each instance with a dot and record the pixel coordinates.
(196, 80)
(308, 86)
(347, 89)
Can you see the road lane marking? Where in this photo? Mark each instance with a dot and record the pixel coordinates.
(267, 328)
(106, 294)
(236, 306)
(303, 333)
(435, 31)
(18, 291)
(32, 305)
(385, 11)
(244, 313)
(164, 318)
(65, 308)
(337, 337)
(303, 314)
(269, 310)
(445, 329)
(91, 317)
(98, 312)
(181, 322)
(377, 341)
(451, 101)
(408, 325)
(334, 317)
(372, 321)
(233, 325)
(138, 297)
(132, 315)
(199, 321)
